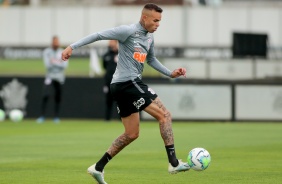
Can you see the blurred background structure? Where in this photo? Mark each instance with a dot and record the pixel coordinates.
(231, 48)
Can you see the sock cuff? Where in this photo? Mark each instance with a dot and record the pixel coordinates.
(170, 146)
(108, 155)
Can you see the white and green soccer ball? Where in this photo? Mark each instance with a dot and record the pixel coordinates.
(2, 115)
(16, 115)
(199, 159)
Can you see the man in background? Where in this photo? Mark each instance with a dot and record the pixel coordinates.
(110, 59)
(54, 79)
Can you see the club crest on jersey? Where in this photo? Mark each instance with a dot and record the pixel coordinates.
(136, 44)
(137, 34)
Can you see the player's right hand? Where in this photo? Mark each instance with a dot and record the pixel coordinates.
(178, 72)
(66, 53)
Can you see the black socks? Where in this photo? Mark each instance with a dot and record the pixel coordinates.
(102, 162)
(171, 155)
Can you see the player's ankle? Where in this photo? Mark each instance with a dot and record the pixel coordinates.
(99, 168)
(174, 162)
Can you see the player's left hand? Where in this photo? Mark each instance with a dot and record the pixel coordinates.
(178, 72)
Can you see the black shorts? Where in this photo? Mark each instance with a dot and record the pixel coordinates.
(132, 96)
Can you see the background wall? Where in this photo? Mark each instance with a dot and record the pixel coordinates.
(185, 99)
(180, 25)
(82, 97)
(228, 69)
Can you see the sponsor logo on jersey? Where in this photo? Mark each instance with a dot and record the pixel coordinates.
(139, 103)
(140, 57)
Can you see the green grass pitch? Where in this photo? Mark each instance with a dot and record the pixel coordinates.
(243, 153)
(78, 67)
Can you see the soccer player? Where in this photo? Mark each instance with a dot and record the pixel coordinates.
(136, 44)
(54, 78)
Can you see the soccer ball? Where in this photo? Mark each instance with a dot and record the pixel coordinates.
(16, 115)
(199, 159)
(2, 115)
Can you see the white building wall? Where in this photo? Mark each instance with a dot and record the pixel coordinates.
(201, 27)
(11, 24)
(230, 20)
(180, 26)
(267, 20)
(36, 25)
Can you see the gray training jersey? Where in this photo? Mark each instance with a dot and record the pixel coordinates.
(136, 45)
(54, 65)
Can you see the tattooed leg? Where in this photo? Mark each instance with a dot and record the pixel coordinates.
(159, 111)
(167, 133)
(165, 123)
(131, 126)
(121, 142)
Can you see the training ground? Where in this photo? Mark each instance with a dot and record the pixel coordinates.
(32, 153)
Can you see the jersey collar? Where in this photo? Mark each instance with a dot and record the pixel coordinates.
(141, 28)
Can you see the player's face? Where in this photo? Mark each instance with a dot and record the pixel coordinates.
(152, 21)
(55, 43)
(113, 44)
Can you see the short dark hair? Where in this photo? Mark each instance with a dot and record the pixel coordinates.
(151, 6)
(55, 37)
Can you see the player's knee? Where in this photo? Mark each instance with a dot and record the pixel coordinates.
(165, 117)
(133, 135)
